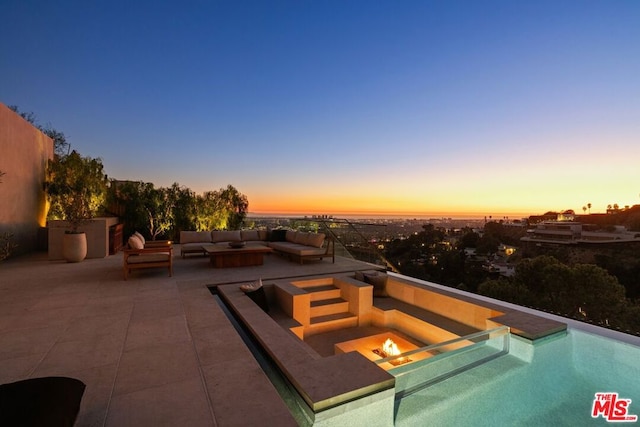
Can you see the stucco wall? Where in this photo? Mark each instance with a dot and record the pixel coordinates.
(97, 231)
(24, 152)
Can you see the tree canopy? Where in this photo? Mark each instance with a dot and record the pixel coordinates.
(166, 211)
(583, 291)
(76, 187)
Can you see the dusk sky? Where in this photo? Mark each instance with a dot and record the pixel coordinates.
(415, 107)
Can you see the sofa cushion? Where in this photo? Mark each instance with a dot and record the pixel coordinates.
(315, 239)
(135, 242)
(225, 236)
(192, 247)
(296, 249)
(195, 237)
(250, 235)
(301, 238)
(290, 236)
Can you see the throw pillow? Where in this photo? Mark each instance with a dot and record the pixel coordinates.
(141, 237)
(251, 286)
(379, 282)
(279, 235)
(256, 292)
(360, 276)
(135, 242)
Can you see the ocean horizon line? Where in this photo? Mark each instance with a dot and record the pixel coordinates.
(408, 216)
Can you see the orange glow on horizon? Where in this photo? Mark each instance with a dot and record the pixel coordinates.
(393, 205)
(470, 198)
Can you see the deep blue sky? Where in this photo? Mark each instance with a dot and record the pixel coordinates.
(489, 107)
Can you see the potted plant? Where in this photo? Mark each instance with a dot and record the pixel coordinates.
(76, 187)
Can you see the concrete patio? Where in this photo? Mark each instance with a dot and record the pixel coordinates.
(153, 350)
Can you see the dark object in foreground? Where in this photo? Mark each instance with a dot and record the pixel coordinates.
(49, 401)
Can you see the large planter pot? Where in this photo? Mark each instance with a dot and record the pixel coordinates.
(74, 247)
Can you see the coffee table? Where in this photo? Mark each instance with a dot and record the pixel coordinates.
(226, 256)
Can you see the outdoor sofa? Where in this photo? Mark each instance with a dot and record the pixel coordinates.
(295, 244)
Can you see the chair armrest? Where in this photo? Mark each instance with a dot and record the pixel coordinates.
(154, 243)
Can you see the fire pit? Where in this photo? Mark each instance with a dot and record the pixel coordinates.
(390, 348)
(376, 347)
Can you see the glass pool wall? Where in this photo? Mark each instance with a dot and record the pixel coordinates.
(445, 360)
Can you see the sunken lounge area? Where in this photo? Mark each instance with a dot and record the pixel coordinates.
(339, 340)
(159, 350)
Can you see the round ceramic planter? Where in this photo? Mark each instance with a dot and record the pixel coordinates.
(74, 246)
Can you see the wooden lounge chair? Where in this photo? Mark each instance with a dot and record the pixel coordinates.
(149, 255)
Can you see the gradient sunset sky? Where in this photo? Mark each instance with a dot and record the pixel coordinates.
(413, 107)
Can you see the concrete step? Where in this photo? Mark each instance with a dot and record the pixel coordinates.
(331, 322)
(328, 306)
(318, 293)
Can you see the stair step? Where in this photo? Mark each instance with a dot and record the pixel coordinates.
(319, 288)
(332, 317)
(328, 306)
(317, 293)
(328, 301)
(331, 322)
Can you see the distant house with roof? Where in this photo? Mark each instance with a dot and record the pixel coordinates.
(573, 233)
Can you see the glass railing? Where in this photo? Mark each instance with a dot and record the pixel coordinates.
(424, 366)
(353, 239)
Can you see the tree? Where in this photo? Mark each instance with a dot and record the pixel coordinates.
(184, 209)
(599, 294)
(76, 187)
(60, 145)
(126, 201)
(159, 207)
(487, 244)
(583, 290)
(235, 206)
(469, 240)
(505, 290)
(166, 211)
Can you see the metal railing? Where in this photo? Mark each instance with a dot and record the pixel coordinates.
(352, 239)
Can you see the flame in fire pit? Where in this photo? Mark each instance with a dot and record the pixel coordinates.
(389, 349)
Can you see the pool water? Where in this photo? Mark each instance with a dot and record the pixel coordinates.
(551, 383)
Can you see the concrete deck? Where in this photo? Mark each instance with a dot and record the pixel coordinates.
(153, 350)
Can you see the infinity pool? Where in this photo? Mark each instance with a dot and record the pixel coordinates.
(500, 379)
(551, 383)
